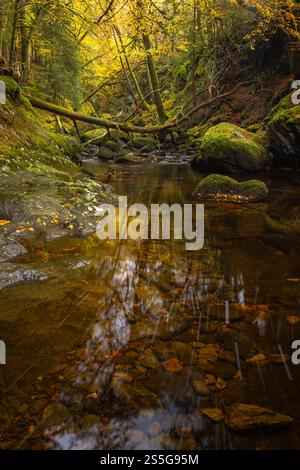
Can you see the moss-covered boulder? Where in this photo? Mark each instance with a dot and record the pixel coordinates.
(112, 145)
(196, 134)
(105, 153)
(138, 142)
(95, 137)
(14, 92)
(223, 188)
(228, 148)
(283, 132)
(115, 134)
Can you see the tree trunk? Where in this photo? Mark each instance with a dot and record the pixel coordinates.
(25, 43)
(131, 71)
(12, 51)
(194, 55)
(3, 24)
(154, 82)
(295, 45)
(123, 66)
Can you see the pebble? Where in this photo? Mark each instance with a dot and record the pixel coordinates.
(154, 429)
(201, 388)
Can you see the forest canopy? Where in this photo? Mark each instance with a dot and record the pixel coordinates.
(127, 58)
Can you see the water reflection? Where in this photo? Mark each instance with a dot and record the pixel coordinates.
(129, 341)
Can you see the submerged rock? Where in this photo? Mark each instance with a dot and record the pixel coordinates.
(10, 250)
(236, 341)
(201, 388)
(55, 414)
(127, 160)
(134, 397)
(228, 148)
(223, 188)
(11, 275)
(149, 360)
(241, 416)
(158, 329)
(218, 312)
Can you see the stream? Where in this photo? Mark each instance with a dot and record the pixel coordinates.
(124, 344)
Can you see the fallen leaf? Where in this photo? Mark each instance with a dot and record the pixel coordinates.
(292, 320)
(172, 365)
(255, 308)
(238, 375)
(210, 379)
(215, 414)
(91, 395)
(221, 384)
(4, 222)
(257, 358)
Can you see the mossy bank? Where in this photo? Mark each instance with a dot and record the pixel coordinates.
(42, 187)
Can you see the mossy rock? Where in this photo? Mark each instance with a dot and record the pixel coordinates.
(140, 142)
(148, 149)
(122, 152)
(13, 89)
(224, 188)
(115, 134)
(106, 153)
(96, 136)
(14, 92)
(114, 146)
(196, 134)
(228, 148)
(283, 133)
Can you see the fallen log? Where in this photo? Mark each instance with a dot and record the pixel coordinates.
(164, 129)
(74, 116)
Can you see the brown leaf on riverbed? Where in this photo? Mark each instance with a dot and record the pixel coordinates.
(255, 308)
(210, 379)
(257, 358)
(293, 319)
(112, 356)
(221, 384)
(172, 365)
(215, 414)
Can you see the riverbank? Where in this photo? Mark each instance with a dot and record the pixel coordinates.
(43, 190)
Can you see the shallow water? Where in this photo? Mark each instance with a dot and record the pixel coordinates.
(104, 354)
